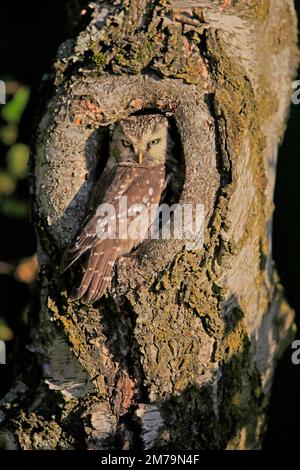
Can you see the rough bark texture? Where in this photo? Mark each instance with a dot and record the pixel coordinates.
(182, 352)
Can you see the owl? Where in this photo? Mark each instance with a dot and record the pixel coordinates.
(135, 172)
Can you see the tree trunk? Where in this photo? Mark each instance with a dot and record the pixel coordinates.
(181, 353)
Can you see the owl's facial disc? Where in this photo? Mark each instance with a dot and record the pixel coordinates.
(150, 148)
(141, 140)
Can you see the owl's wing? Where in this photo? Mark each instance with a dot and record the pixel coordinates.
(87, 235)
(138, 185)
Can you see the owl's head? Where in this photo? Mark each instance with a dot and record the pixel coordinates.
(140, 140)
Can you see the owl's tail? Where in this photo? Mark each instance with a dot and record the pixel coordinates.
(97, 274)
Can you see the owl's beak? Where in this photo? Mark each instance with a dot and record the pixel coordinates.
(140, 156)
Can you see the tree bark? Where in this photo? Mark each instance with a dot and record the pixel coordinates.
(182, 351)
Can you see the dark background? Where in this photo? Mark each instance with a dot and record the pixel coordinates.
(29, 35)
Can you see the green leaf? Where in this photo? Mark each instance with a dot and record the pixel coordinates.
(17, 160)
(7, 184)
(6, 333)
(14, 207)
(8, 134)
(14, 109)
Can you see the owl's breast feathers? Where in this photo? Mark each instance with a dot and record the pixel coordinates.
(141, 187)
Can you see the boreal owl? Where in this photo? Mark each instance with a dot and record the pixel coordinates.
(139, 155)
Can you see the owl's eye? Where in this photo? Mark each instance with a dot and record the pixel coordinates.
(154, 142)
(126, 143)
